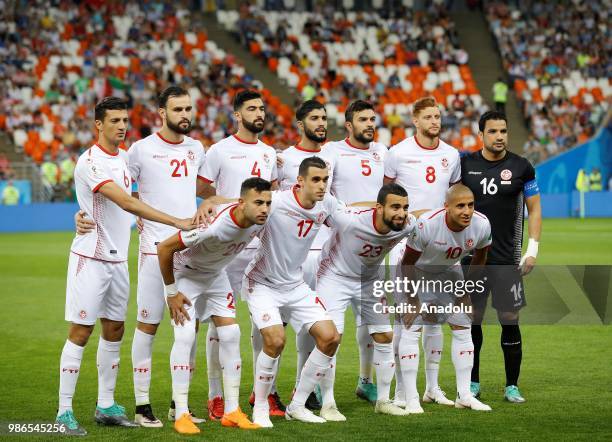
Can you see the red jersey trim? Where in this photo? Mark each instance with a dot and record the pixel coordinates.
(480, 214)
(107, 152)
(294, 190)
(219, 214)
(306, 150)
(439, 211)
(449, 227)
(414, 250)
(452, 184)
(346, 140)
(206, 180)
(97, 259)
(95, 189)
(374, 222)
(243, 141)
(181, 240)
(388, 177)
(231, 212)
(168, 141)
(426, 148)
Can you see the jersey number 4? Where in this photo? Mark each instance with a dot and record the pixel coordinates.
(256, 171)
(177, 165)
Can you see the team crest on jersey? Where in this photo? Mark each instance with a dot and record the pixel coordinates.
(376, 156)
(191, 155)
(469, 243)
(266, 158)
(506, 174)
(444, 163)
(420, 226)
(82, 314)
(144, 313)
(265, 317)
(321, 217)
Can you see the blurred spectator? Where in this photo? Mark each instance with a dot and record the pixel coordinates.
(50, 172)
(10, 194)
(500, 95)
(582, 181)
(4, 166)
(595, 183)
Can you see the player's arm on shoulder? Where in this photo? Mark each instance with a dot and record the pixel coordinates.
(417, 213)
(132, 205)
(83, 224)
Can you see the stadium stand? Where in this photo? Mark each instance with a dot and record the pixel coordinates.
(557, 55)
(57, 60)
(391, 60)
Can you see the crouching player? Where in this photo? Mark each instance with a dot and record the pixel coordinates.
(197, 288)
(432, 259)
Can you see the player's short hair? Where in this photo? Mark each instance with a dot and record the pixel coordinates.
(255, 183)
(423, 103)
(243, 96)
(490, 115)
(170, 91)
(390, 189)
(307, 107)
(310, 162)
(354, 107)
(106, 104)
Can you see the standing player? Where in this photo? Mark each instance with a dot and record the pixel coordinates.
(312, 122)
(349, 267)
(202, 292)
(503, 184)
(358, 176)
(165, 166)
(425, 166)
(228, 163)
(98, 281)
(432, 256)
(274, 288)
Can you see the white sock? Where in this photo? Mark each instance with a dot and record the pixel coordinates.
(229, 355)
(108, 367)
(327, 383)
(192, 356)
(180, 368)
(384, 363)
(409, 361)
(70, 365)
(265, 372)
(213, 365)
(462, 350)
(278, 364)
(433, 342)
(399, 383)
(256, 345)
(366, 353)
(142, 352)
(304, 344)
(315, 369)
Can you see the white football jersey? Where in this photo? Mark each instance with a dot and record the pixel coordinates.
(286, 239)
(441, 247)
(293, 157)
(425, 173)
(287, 177)
(210, 248)
(358, 173)
(231, 161)
(356, 249)
(110, 239)
(166, 174)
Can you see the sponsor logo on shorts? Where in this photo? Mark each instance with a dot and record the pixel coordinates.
(144, 313)
(265, 317)
(506, 174)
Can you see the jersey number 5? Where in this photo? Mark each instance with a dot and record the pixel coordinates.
(177, 164)
(366, 170)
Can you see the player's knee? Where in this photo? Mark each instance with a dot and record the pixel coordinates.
(112, 330)
(508, 318)
(383, 338)
(185, 335)
(150, 329)
(274, 343)
(328, 341)
(79, 334)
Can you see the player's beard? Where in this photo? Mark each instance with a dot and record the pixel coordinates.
(177, 127)
(363, 138)
(393, 226)
(431, 134)
(251, 126)
(312, 136)
(496, 149)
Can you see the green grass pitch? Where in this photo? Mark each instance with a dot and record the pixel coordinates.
(566, 375)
